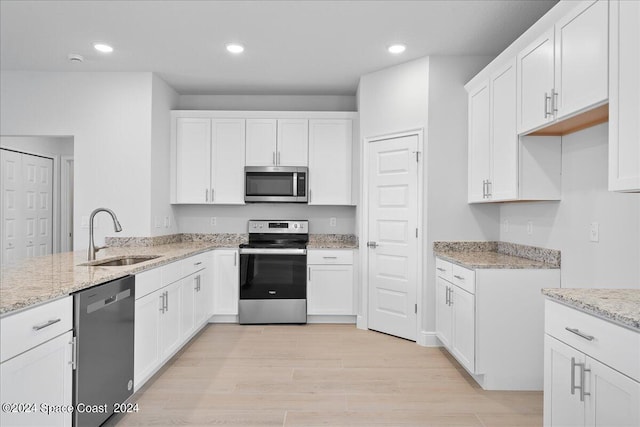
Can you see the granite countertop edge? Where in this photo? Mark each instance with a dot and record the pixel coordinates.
(508, 264)
(611, 314)
(497, 255)
(105, 274)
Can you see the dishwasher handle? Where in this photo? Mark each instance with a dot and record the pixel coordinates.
(99, 305)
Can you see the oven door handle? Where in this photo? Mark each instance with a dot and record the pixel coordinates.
(261, 251)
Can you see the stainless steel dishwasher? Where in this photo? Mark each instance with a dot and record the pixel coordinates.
(104, 328)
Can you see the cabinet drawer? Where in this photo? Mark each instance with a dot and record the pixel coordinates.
(171, 273)
(611, 344)
(464, 278)
(148, 281)
(24, 330)
(330, 256)
(194, 263)
(444, 269)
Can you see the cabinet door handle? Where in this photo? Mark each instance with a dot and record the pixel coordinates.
(206, 195)
(309, 195)
(583, 371)
(167, 299)
(580, 334)
(458, 277)
(309, 273)
(450, 296)
(278, 158)
(212, 195)
(489, 190)
(554, 101)
(547, 100)
(74, 353)
(235, 259)
(446, 296)
(195, 264)
(273, 158)
(162, 303)
(330, 257)
(441, 269)
(47, 324)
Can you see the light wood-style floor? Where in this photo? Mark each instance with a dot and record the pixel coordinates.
(331, 375)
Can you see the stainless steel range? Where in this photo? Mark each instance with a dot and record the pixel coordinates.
(273, 273)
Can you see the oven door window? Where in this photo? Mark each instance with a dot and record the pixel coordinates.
(269, 184)
(264, 276)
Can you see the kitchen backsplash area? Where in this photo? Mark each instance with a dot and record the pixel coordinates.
(233, 219)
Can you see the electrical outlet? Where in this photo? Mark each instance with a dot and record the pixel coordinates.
(530, 227)
(505, 225)
(594, 232)
(332, 222)
(167, 222)
(158, 222)
(213, 221)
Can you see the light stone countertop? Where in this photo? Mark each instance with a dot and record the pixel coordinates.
(621, 306)
(46, 278)
(497, 255)
(332, 241)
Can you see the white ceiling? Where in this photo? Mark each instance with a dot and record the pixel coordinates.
(292, 47)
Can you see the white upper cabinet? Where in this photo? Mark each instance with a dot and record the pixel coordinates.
(209, 163)
(293, 142)
(535, 84)
(624, 102)
(564, 71)
(227, 151)
(277, 142)
(581, 59)
(479, 143)
(330, 168)
(193, 160)
(503, 166)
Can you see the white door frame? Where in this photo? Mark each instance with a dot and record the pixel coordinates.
(66, 192)
(363, 315)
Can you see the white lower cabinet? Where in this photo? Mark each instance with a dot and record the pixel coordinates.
(169, 314)
(579, 389)
(330, 284)
(36, 368)
(40, 376)
(226, 284)
(491, 321)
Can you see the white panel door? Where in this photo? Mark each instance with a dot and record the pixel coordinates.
(479, 143)
(41, 375)
(12, 217)
(193, 160)
(562, 406)
(293, 142)
(535, 83)
(613, 400)
(43, 242)
(393, 214)
(330, 168)
(228, 151)
(261, 142)
(624, 96)
(581, 74)
(504, 136)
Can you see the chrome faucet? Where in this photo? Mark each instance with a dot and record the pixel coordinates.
(116, 226)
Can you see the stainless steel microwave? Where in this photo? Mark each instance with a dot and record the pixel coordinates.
(275, 184)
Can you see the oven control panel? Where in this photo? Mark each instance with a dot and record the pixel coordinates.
(277, 226)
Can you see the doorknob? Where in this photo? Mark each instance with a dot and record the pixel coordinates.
(372, 244)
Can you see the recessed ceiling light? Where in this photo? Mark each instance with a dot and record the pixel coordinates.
(397, 48)
(235, 48)
(101, 47)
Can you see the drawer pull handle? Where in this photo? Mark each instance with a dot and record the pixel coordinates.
(330, 257)
(44, 325)
(197, 264)
(441, 269)
(459, 277)
(580, 334)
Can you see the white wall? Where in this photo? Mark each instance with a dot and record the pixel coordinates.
(109, 117)
(164, 99)
(268, 102)
(233, 219)
(564, 225)
(449, 216)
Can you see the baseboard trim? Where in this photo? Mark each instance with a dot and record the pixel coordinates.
(224, 318)
(335, 318)
(428, 339)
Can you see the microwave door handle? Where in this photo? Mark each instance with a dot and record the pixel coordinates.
(295, 184)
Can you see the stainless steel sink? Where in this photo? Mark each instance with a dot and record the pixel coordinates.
(121, 261)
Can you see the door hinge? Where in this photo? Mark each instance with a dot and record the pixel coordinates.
(415, 308)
